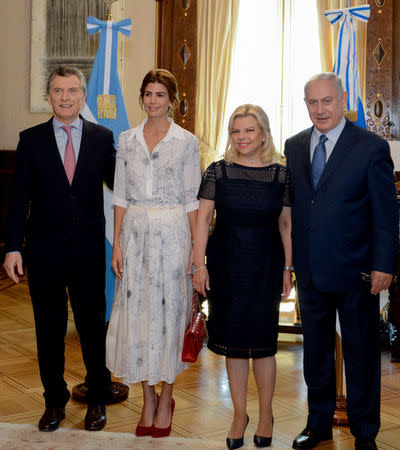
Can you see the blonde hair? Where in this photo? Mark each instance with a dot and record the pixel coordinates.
(268, 151)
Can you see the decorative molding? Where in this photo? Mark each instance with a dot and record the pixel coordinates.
(378, 96)
(395, 116)
(177, 52)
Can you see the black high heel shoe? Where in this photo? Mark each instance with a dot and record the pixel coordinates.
(236, 443)
(263, 441)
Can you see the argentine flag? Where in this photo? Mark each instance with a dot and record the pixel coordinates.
(346, 58)
(105, 105)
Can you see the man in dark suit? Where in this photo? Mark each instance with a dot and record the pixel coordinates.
(57, 206)
(345, 237)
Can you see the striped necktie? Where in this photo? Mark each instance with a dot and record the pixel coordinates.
(69, 157)
(319, 160)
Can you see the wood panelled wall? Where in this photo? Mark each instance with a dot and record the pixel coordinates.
(177, 52)
(396, 72)
(378, 93)
(7, 166)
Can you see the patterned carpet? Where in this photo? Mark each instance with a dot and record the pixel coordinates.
(24, 437)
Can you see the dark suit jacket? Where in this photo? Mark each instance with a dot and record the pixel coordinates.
(45, 209)
(349, 223)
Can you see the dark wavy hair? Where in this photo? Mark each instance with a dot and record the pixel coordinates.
(167, 79)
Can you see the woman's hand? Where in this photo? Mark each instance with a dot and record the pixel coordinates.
(201, 281)
(287, 284)
(117, 261)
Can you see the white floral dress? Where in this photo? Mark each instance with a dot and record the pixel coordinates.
(152, 302)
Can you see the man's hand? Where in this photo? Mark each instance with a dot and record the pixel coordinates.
(380, 281)
(13, 266)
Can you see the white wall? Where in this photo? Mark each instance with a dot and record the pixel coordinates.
(139, 54)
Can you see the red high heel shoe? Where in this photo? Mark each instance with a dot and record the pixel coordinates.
(145, 431)
(163, 432)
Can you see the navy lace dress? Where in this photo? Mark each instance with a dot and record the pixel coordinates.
(245, 257)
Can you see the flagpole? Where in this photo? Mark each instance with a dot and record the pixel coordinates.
(346, 69)
(119, 391)
(340, 417)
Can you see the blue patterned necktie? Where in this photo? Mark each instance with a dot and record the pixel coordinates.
(319, 160)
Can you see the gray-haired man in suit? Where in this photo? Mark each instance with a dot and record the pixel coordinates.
(345, 238)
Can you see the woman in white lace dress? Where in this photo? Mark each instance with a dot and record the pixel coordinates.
(157, 178)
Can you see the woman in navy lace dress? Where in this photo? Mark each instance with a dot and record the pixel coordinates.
(249, 259)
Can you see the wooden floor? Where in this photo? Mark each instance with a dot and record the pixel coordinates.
(204, 407)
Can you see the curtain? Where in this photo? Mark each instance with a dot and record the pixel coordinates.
(300, 60)
(272, 59)
(217, 22)
(328, 35)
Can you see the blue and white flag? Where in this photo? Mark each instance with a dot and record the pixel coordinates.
(346, 58)
(105, 105)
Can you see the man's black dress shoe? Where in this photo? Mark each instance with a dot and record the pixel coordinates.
(365, 443)
(119, 392)
(232, 443)
(51, 419)
(309, 438)
(95, 419)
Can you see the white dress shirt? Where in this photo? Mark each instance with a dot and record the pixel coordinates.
(332, 135)
(62, 136)
(169, 177)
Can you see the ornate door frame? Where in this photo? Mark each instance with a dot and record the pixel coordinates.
(177, 52)
(378, 93)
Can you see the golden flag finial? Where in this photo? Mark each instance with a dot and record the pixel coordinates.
(108, 6)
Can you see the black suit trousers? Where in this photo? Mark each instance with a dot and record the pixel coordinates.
(50, 282)
(359, 318)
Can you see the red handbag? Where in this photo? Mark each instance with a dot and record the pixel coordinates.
(195, 333)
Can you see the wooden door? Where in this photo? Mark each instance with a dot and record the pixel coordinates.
(177, 52)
